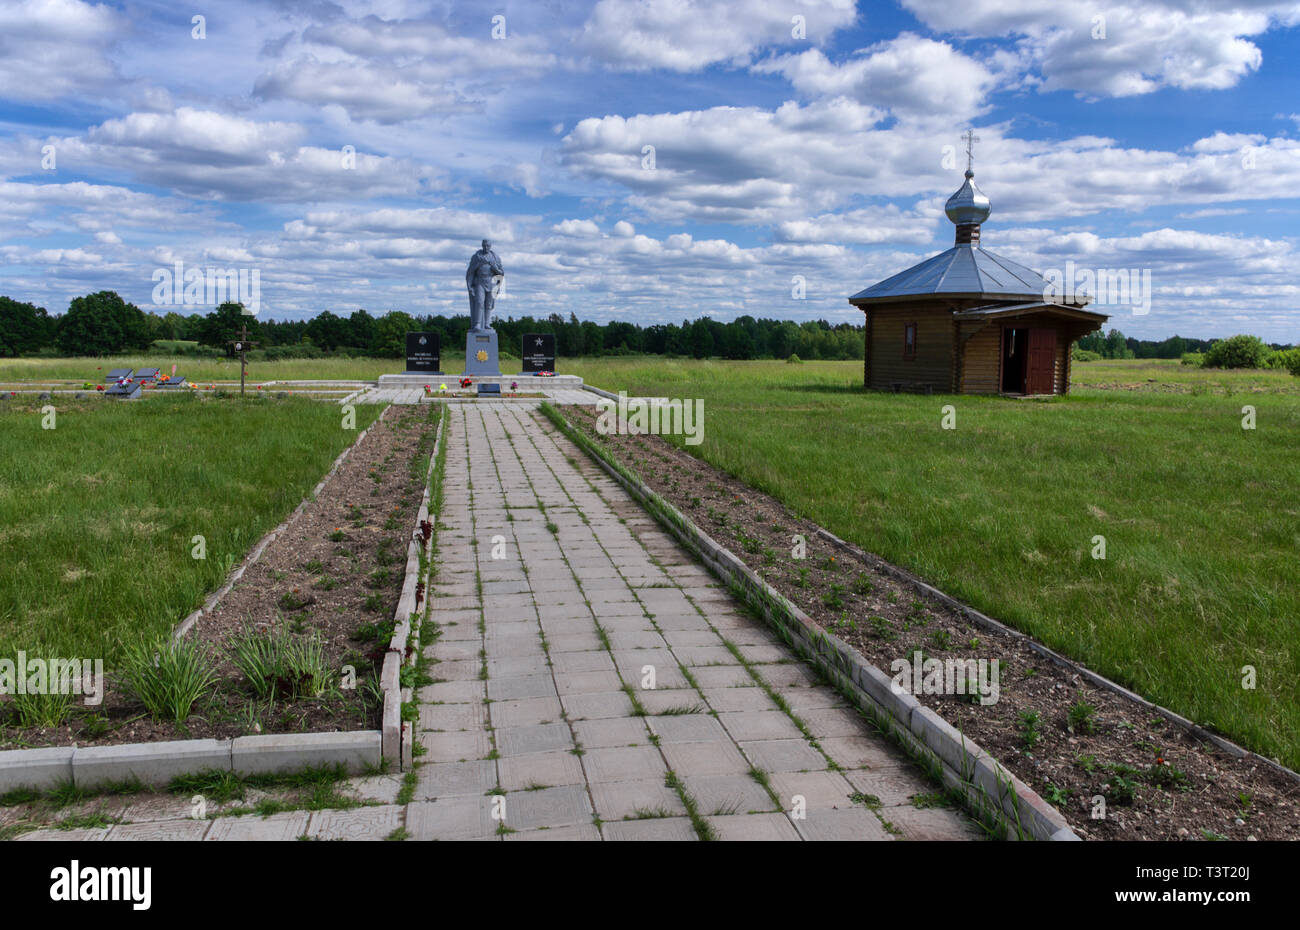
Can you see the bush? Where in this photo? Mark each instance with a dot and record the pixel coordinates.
(1240, 351)
(793, 359)
(1083, 355)
(1195, 359)
(1284, 360)
(168, 678)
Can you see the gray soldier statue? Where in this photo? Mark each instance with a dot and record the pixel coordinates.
(483, 278)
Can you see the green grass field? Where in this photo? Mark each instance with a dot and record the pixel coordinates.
(196, 369)
(79, 370)
(1200, 516)
(97, 515)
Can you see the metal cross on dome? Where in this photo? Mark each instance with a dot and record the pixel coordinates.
(971, 139)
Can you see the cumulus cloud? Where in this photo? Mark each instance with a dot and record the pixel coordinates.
(686, 35)
(1134, 47)
(56, 48)
(389, 71)
(220, 156)
(909, 75)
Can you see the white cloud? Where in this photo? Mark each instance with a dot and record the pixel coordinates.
(390, 71)
(1135, 47)
(687, 35)
(580, 229)
(56, 48)
(219, 156)
(908, 75)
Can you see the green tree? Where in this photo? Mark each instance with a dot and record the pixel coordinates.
(701, 339)
(102, 323)
(390, 334)
(24, 328)
(224, 324)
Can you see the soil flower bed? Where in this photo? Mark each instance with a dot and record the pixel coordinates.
(1070, 740)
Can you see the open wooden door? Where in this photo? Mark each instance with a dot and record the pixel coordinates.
(1040, 378)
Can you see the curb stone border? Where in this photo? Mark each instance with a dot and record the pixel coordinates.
(988, 787)
(979, 619)
(158, 762)
(403, 647)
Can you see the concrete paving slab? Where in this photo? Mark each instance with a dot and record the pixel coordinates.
(359, 823)
(757, 828)
(276, 828)
(661, 829)
(636, 800)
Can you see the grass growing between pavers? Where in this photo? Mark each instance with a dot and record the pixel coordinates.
(98, 516)
(1198, 514)
(207, 795)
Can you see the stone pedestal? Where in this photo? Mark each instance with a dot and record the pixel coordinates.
(481, 354)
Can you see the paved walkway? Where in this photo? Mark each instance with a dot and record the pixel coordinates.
(594, 682)
(598, 683)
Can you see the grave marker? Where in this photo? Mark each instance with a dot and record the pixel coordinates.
(422, 354)
(538, 353)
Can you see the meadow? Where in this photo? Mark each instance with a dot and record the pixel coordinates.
(79, 370)
(98, 514)
(1199, 516)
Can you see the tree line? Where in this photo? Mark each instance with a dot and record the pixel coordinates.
(104, 324)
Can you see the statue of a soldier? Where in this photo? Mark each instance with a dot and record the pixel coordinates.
(483, 278)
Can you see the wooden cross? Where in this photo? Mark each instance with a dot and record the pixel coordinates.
(971, 139)
(242, 345)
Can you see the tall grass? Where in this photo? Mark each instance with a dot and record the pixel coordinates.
(168, 676)
(98, 516)
(1199, 515)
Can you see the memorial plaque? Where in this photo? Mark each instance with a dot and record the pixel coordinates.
(117, 374)
(422, 354)
(481, 358)
(538, 353)
(147, 374)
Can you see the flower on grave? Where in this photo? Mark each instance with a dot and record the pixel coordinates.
(514, 385)
(99, 387)
(442, 387)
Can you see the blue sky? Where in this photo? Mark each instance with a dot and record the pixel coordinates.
(1147, 135)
